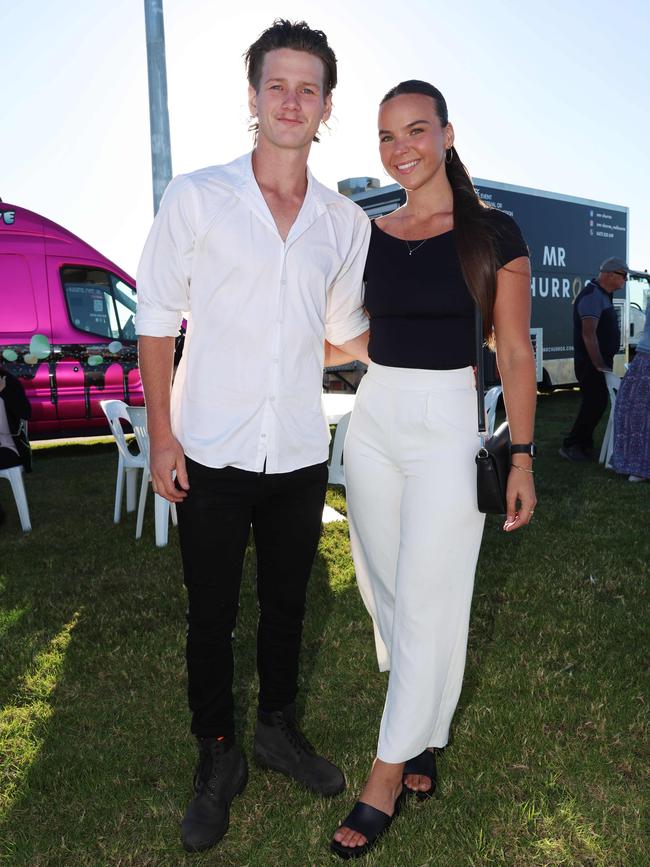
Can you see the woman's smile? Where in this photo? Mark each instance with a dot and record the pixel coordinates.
(408, 167)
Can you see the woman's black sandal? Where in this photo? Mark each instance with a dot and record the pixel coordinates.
(425, 766)
(370, 822)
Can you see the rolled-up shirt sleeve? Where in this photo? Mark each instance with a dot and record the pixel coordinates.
(163, 275)
(346, 317)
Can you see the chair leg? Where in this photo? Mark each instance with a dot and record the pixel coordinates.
(336, 475)
(119, 487)
(131, 483)
(144, 488)
(18, 489)
(610, 448)
(606, 441)
(162, 519)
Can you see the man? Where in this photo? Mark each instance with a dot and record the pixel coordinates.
(596, 339)
(268, 263)
(14, 445)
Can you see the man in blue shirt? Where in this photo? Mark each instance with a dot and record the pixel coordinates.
(596, 339)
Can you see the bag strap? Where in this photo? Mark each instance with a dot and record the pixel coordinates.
(480, 376)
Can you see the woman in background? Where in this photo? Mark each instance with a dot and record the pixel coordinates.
(631, 453)
(409, 457)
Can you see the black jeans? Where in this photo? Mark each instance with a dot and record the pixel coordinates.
(285, 511)
(594, 399)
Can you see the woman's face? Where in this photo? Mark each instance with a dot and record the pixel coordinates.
(412, 140)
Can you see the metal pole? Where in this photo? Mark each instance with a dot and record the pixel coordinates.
(161, 154)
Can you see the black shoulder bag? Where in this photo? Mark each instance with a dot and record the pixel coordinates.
(493, 458)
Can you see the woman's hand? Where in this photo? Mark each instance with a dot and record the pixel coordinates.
(520, 490)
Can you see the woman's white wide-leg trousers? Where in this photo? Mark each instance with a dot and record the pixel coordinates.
(415, 532)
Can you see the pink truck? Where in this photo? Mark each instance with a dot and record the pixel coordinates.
(66, 324)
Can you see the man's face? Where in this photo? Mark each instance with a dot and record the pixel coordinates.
(613, 280)
(290, 102)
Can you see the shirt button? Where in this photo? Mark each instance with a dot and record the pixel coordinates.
(263, 436)
(272, 398)
(275, 360)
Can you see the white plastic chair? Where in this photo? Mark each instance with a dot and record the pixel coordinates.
(128, 464)
(613, 385)
(491, 401)
(162, 507)
(335, 468)
(14, 476)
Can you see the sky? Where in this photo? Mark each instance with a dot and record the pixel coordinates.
(550, 95)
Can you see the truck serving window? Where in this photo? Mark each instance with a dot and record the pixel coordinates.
(99, 302)
(125, 304)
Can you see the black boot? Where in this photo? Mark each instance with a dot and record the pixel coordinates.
(280, 745)
(221, 774)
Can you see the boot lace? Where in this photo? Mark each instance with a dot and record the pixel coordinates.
(296, 737)
(209, 784)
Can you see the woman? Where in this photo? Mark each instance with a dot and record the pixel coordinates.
(410, 472)
(631, 453)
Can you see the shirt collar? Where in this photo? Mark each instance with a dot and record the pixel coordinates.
(317, 198)
(608, 295)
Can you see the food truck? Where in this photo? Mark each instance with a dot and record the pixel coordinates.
(66, 324)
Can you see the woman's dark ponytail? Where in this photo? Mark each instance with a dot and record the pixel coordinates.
(473, 233)
(475, 242)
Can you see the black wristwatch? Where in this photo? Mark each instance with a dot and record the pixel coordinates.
(524, 449)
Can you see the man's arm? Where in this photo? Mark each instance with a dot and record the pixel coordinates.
(351, 350)
(166, 455)
(346, 321)
(163, 293)
(589, 326)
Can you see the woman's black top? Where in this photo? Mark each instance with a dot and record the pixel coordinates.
(421, 312)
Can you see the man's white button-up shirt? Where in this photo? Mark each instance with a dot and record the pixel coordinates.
(248, 388)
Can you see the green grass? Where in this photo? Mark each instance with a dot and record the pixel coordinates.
(549, 760)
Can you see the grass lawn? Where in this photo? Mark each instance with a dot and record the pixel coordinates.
(549, 758)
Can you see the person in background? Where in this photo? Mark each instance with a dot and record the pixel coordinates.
(415, 527)
(596, 339)
(268, 263)
(631, 452)
(14, 407)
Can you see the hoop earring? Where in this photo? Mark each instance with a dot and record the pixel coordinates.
(449, 155)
